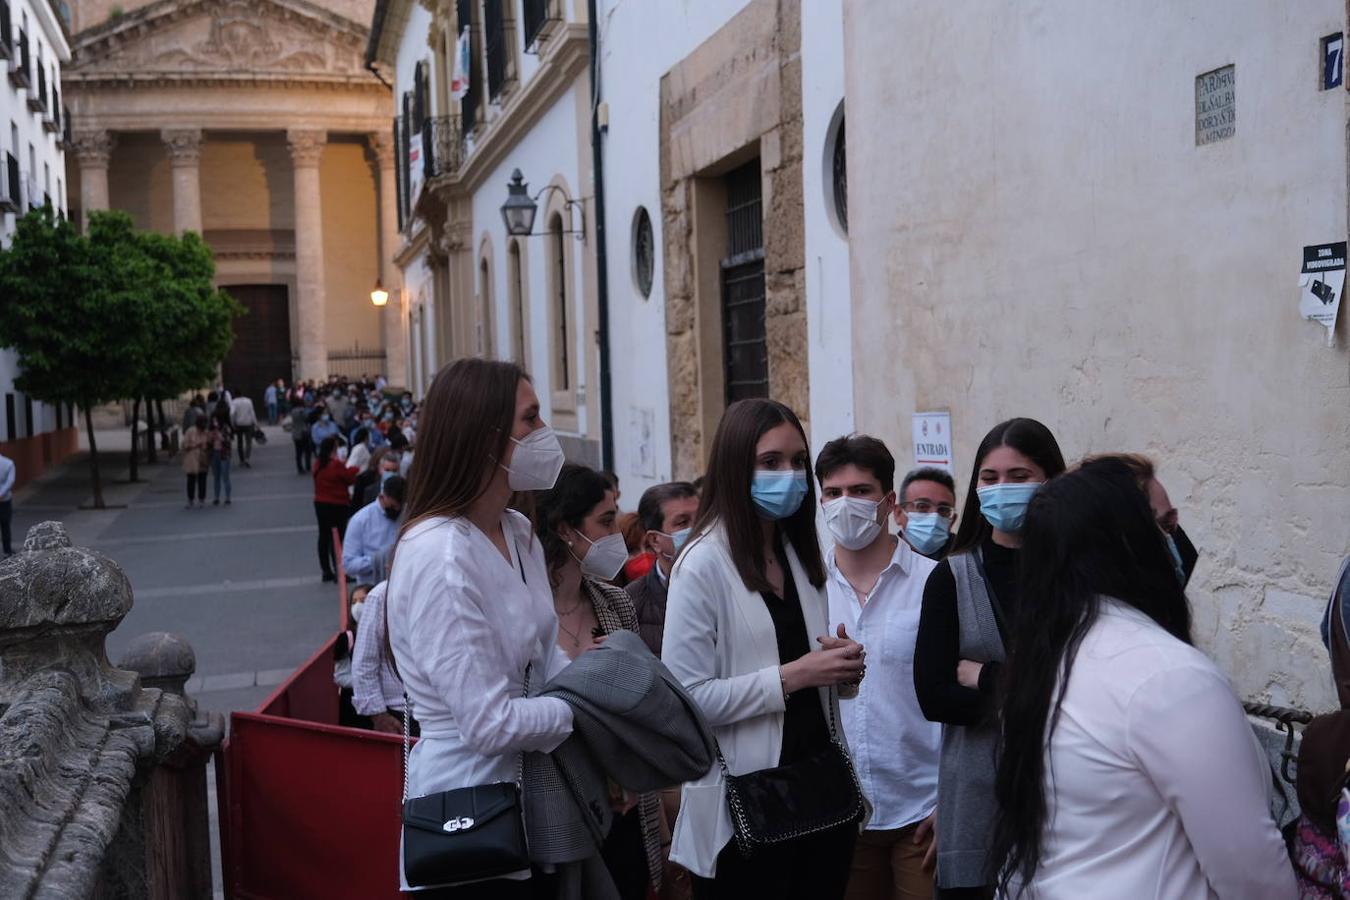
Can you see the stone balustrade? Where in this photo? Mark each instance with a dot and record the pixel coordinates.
(102, 770)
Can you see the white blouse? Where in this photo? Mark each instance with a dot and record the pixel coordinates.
(463, 624)
(1155, 785)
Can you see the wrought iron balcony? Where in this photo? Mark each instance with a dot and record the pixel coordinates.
(541, 18)
(11, 192)
(442, 146)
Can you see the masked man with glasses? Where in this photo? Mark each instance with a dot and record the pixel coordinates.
(926, 513)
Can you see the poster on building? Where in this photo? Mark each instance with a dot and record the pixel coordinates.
(414, 166)
(933, 439)
(1320, 284)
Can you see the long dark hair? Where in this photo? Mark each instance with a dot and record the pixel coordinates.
(726, 494)
(1029, 438)
(466, 423)
(1088, 534)
(571, 499)
(327, 447)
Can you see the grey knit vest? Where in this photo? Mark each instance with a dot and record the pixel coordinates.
(966, 805)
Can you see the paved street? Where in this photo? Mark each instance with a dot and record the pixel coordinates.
(240, 582)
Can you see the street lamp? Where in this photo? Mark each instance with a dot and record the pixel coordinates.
(379, 296)
(519, 210)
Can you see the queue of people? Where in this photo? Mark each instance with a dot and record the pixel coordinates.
(1003, 700)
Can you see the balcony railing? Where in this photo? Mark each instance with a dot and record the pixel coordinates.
(11, 192)
(540, 17)
(442, 146)
(20, 63)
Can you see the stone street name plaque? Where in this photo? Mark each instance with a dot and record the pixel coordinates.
(1215, 106)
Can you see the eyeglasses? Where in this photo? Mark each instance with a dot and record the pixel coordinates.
(925, 506)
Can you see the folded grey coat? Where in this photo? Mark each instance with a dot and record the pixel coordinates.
(632, 723)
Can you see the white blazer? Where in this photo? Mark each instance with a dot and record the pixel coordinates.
(719, 642)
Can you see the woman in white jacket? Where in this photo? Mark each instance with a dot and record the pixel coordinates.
(470, 609)
(747, 608)
(1128, 768)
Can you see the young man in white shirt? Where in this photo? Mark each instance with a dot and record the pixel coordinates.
(875, 584)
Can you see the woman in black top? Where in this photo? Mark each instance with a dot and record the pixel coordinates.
(743, 631)
(956, 660)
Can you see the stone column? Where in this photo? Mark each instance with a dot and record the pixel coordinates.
(93, 149)
(395, 345)
(306, 146)
(184, 146)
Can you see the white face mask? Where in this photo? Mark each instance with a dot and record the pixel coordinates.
(853, 521)
(605, 557)
(357, 609)
(537, 461)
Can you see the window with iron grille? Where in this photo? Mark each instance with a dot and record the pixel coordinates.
(467, 17)
(11, 425)
(539, 17)
(562, 370)
(405, 152)
(839, 171)
(746, 352)
(498, 29)
(644, 252)
(28, 414)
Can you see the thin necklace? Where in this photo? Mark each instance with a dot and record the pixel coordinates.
(575, 636)
(568, 612)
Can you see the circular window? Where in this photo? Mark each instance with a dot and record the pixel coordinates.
(644, 252)
(836, 172)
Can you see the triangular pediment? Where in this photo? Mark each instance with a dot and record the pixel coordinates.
(223, 38)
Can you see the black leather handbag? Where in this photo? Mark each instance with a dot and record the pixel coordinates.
(784, 803)
(463, 835)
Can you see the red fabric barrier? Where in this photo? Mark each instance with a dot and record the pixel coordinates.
(308, 808)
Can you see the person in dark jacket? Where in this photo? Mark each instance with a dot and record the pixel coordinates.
(968, 601)
(331, 508)
(665, 512)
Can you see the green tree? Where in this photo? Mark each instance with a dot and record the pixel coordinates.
(90, 316)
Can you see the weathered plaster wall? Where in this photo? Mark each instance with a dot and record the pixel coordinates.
(1041, 236)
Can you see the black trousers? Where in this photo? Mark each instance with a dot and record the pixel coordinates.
(197, 480)
(809, 868)
(540, 887)
(625, 856)
(304, 450)
(244, 436)
(6, 518)
(329, 516)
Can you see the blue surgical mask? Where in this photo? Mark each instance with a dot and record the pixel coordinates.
(1176, 557)
(680, 538)
(326, 417)
(778, 494)
(1004, 506)
(927, 532)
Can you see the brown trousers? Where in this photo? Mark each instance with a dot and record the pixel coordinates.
(888, 865)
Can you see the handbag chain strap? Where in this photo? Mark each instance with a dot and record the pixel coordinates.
(834, 736)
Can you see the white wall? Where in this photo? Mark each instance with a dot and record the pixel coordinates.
(1041, 236)
(632, 63)
(47, 43)
(829, 307)
(548, 151)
